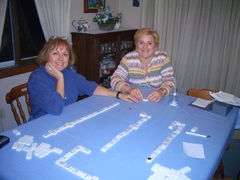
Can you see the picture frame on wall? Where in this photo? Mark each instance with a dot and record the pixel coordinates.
(91, 6)
(136, 3)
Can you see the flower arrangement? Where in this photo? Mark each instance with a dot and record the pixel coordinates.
(107, 16)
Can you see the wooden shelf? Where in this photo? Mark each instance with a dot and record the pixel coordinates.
(90, 50)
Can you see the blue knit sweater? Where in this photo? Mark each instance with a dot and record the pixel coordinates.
(43, 96)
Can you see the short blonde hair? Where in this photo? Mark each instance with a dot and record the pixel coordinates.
(51, 44)
(146, 31)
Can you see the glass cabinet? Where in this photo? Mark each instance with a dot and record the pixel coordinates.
(99, 52)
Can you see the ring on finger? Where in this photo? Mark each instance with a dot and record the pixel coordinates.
(49, 68)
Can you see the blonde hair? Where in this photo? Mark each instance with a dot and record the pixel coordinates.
(146, 31)
(51, 44)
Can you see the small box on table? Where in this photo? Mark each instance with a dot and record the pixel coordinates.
(221, 108)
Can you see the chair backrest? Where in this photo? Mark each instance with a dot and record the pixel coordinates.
(200, 93)
(13, 96)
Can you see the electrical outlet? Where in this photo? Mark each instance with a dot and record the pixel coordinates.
(2, 113)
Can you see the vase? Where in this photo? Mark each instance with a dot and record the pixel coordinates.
(107, 27)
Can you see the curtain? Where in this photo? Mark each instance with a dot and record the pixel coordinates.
(3, 8)
(54, 17)
(202, 37)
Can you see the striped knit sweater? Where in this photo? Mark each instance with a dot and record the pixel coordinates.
(131, 71)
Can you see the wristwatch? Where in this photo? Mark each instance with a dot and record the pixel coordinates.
(164, 92)
(119, 92)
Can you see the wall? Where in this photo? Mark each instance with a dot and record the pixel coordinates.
(131, 19)
(131, 15)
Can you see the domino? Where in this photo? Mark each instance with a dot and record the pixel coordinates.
(143, 114)
(177, 173)
(22, 140)
(29, 142)
(25, 148)
(34, 145)
(163, 168)
(57, 150)
(29, 155)
(19, 147)
(15, 131)
(185, 169)
(162, 172)
(15, 145)
(28, 137)
(194, 129)
(88, 177)
(155, 167)
(43, 153)
(46, 135)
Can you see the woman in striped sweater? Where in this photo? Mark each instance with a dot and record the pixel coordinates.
(146, 66)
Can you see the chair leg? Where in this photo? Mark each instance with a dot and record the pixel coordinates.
(220, 170)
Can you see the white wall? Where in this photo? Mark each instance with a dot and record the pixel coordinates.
(131, 19)
(131, 15)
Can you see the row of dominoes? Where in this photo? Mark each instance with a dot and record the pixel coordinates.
(165, 173)
(129, 129)
(62, 162)
(25, 143)
(167, 140)
(72, 123)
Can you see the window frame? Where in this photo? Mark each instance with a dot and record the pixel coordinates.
(20, 66)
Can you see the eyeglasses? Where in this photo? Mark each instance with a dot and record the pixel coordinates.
(62, 37)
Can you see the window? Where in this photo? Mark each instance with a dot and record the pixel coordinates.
(22, 36)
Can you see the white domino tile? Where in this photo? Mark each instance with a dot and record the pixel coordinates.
(15, 131)
(29, 154)
(164, 173)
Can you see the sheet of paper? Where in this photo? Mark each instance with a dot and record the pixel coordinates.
(194, 150)
(235, 100)
(201, 102)
(225, 97)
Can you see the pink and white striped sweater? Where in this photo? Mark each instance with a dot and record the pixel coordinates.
(131, 71)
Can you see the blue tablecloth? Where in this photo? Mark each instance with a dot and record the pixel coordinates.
(126, 160)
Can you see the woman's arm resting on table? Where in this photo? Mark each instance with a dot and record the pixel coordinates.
(102, 91)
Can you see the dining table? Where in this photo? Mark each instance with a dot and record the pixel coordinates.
(106, 138)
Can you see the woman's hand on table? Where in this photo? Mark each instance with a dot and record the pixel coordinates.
(136, 94)
(127, 98)
(155, 96)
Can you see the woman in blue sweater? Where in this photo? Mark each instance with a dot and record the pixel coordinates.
(55, 84)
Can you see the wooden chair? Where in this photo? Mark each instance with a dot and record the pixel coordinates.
(204, 94)
(12, 98)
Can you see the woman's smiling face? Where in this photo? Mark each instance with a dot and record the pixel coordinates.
(146, 47)
(59, 57)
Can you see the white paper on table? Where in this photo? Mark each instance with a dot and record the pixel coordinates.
(201, 102)
(226, 98)
(194, 150)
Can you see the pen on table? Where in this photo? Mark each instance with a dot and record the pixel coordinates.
(195, 134)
